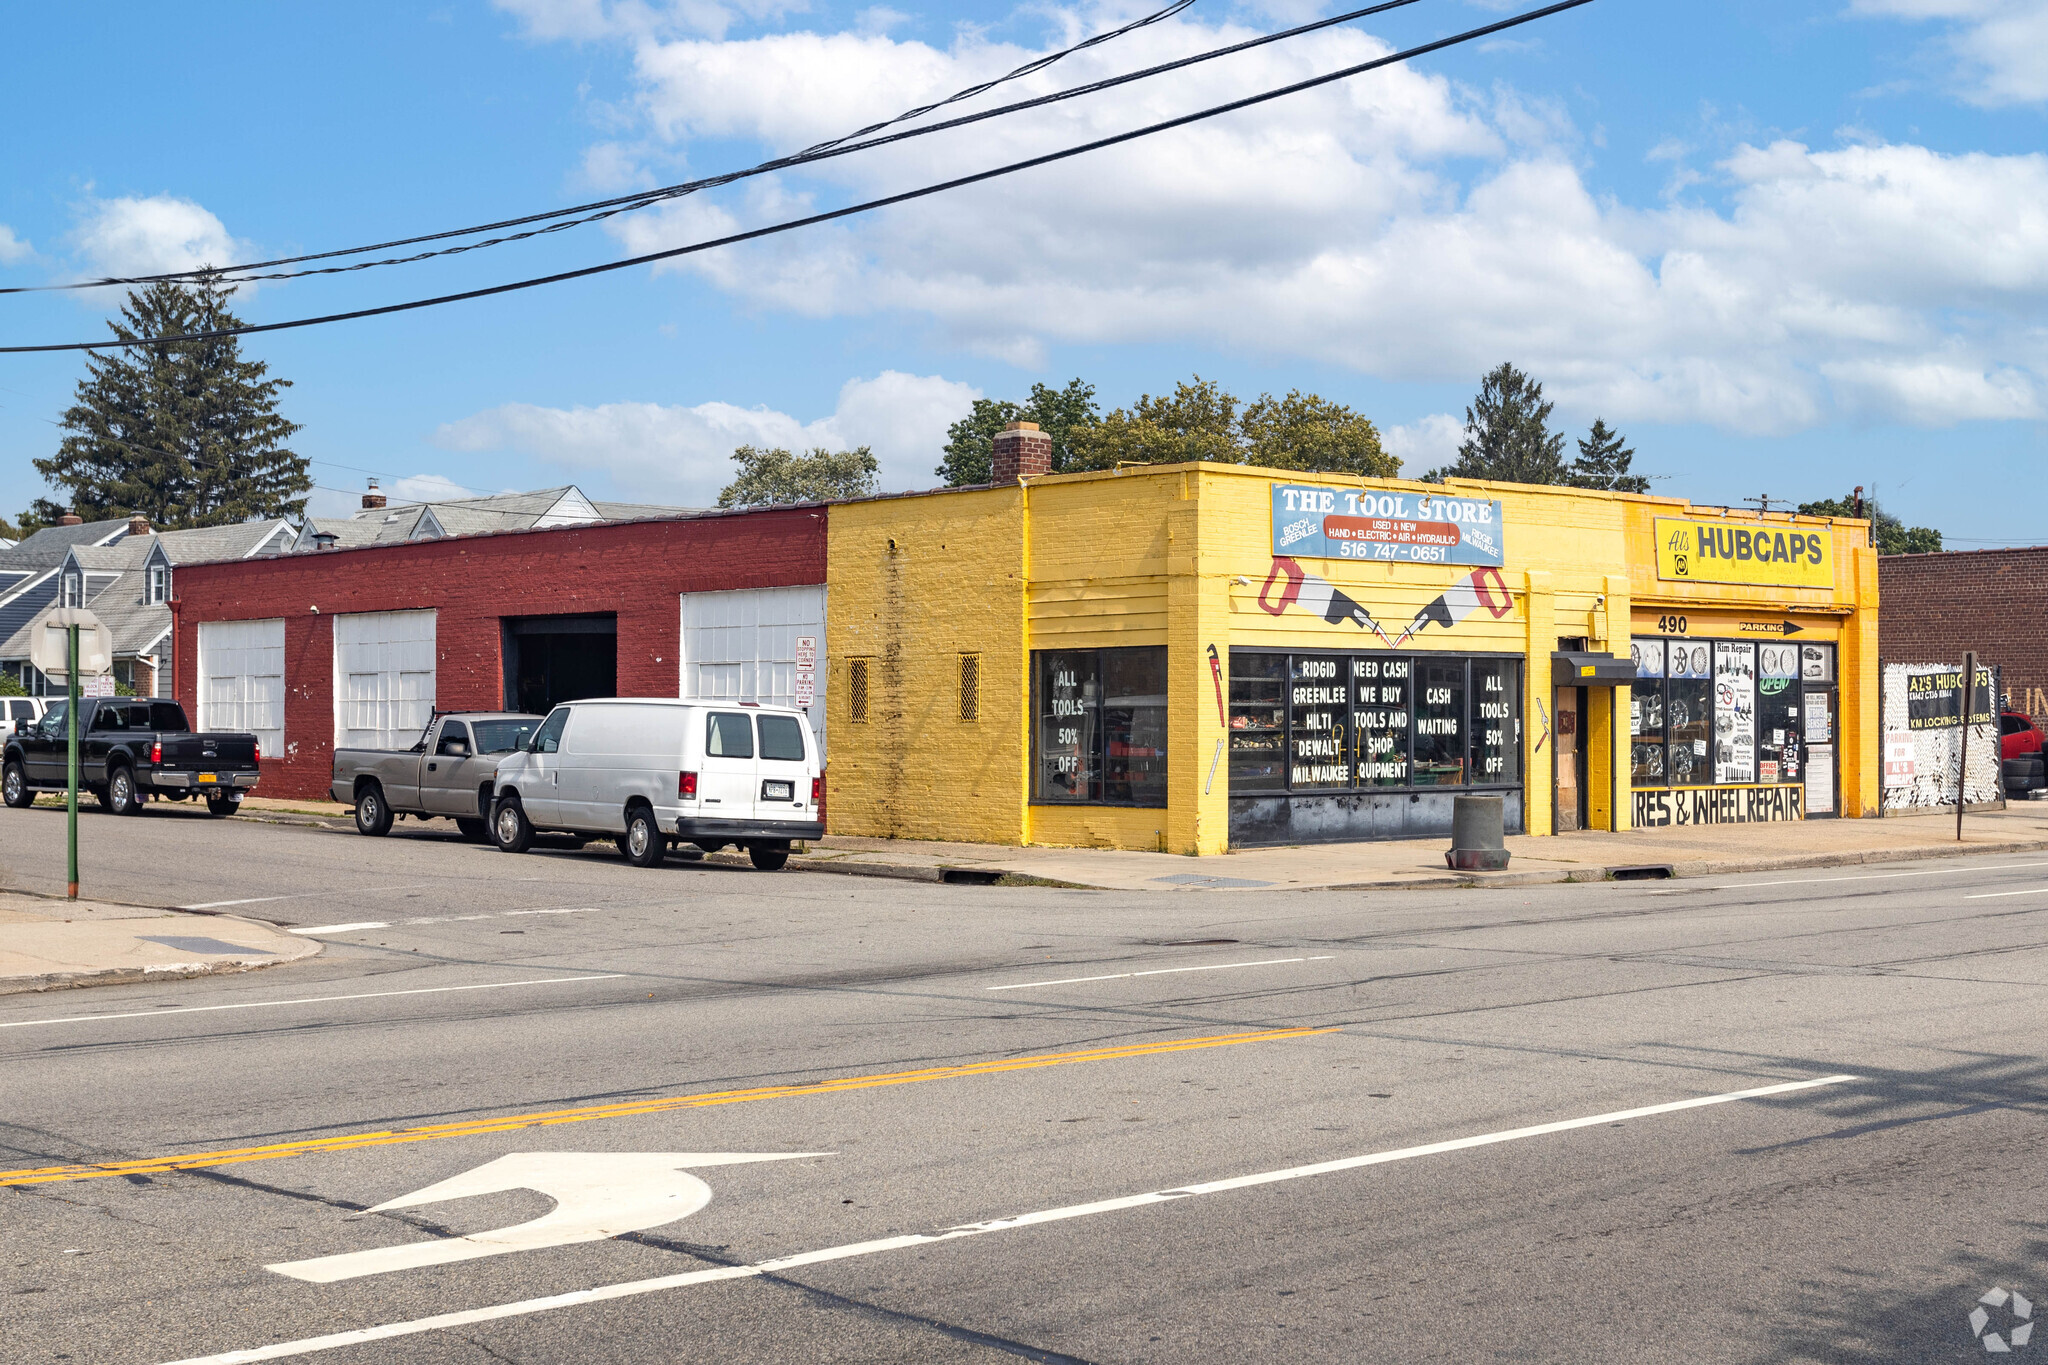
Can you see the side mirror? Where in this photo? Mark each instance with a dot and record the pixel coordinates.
(458, 748)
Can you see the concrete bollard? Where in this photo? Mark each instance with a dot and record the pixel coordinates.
(1478, 834)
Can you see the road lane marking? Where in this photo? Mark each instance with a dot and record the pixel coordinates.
(780, 1264)
(364, 926)
(1870, 877)
(301, 895)
(1160, 971)
(1994, 895)
(659, 1104)
(309, 1000)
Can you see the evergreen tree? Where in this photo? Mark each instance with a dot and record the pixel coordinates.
(185, 432)
(1507, 434)
(1058, 412)
(768, 478)
(1603, 462)
(1891, 535)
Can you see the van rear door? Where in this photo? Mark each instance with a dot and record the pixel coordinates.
(727, 784)
(784, 792)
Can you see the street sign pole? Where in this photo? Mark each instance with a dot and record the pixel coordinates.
(71, 793)
(1963, 759)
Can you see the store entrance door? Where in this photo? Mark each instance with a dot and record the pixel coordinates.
(1568, 761)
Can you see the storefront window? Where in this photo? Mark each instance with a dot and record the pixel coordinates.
(1734, 711)
(1318, 744)
(1258, 722)
(1134, 727)
(1777, 713)
(1101, 726)
(1689, 713)
(1496, 722)
(1646, 715)
(1379, 718)
(1440, 723)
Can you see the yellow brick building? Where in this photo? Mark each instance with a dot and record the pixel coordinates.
(1195, 657)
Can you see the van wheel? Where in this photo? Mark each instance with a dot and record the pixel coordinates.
(373, 815)
(509, 828)
(768, 859)
(476, 831)
(14, 784)
(122, 798)
(642, 843)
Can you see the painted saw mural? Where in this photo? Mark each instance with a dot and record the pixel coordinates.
(1289, 585)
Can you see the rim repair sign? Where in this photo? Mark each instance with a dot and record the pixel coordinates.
(1777, 555)
(1401, 528)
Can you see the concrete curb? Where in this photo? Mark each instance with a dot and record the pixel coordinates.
(299, 950)
(128, 976)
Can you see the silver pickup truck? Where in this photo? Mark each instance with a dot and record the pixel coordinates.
(448, 773)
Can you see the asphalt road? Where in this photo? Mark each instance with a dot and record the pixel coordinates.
(1438, 1093)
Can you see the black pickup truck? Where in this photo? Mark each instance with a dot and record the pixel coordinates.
(129, 749)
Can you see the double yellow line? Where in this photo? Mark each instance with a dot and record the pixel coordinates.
(187, 1161)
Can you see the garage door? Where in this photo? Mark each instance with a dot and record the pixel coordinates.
(241, 680)
(383, 678)
(742, 646)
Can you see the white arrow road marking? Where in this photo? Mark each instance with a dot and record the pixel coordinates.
(597, 1195)
(627, 1289)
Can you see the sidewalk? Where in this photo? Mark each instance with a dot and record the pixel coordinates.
(1683, 851)
(47, 944)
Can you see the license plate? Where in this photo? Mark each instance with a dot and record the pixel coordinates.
(209, 777)
(778, 791)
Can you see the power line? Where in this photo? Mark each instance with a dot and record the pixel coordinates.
(818, 151)
(609, 208)
(959, 182)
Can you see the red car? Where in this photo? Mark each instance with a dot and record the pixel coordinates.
(2019, 744)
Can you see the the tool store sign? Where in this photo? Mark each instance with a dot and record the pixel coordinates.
(1719, 806)
(1398, 528)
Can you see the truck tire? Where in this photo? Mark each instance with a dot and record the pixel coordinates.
(373, 813)
(476, 831)
(642, 843)
(122, 798)
(510, 830)
(14, 784)
(767, 859)
(220, 807)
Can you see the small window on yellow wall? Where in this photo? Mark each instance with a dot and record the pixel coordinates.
(970, 687)
(857, 691)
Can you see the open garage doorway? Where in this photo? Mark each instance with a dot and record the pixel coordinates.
(553, 659)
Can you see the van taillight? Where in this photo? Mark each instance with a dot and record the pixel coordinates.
(156, 751)
(686, 786)
(817, 790)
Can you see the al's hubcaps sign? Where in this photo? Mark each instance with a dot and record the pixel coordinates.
(1403, 528)
(1710, 550)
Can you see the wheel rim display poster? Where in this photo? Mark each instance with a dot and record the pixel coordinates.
(1923, 737)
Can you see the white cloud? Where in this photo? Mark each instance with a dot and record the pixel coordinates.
(427, 488)
(1399, 224)
(1999, 47)
(1426, 443)
(592, 20)
(683, 455)
(13, 248)
(150, 236)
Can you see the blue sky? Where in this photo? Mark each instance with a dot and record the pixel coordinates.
(1786, 247)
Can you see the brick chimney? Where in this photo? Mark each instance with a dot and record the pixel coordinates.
(138, 525)
(1021, 451)
(372, 500)
(71, 519)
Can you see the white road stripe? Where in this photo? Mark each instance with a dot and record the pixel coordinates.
(310, 1000)
(363, 925)
(630, 1288)
(1994, 895)
(299, 896)
(1870, 877)
(1160, 971)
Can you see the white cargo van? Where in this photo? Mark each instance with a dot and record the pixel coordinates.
(647, 771)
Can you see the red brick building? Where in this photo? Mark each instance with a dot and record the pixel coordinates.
(358, 647)
(1993, 601)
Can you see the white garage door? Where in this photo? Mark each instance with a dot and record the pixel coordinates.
(383, 678)
(742, 646)
(241, 680)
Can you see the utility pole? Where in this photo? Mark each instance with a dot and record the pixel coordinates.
(1963, 752)
(71, 788)
(1763, 504)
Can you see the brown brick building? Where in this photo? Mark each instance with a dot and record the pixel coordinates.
(1993, 601)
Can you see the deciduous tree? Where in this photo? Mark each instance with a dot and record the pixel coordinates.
(1891, 535)
(1059, 413)
(769, 478)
